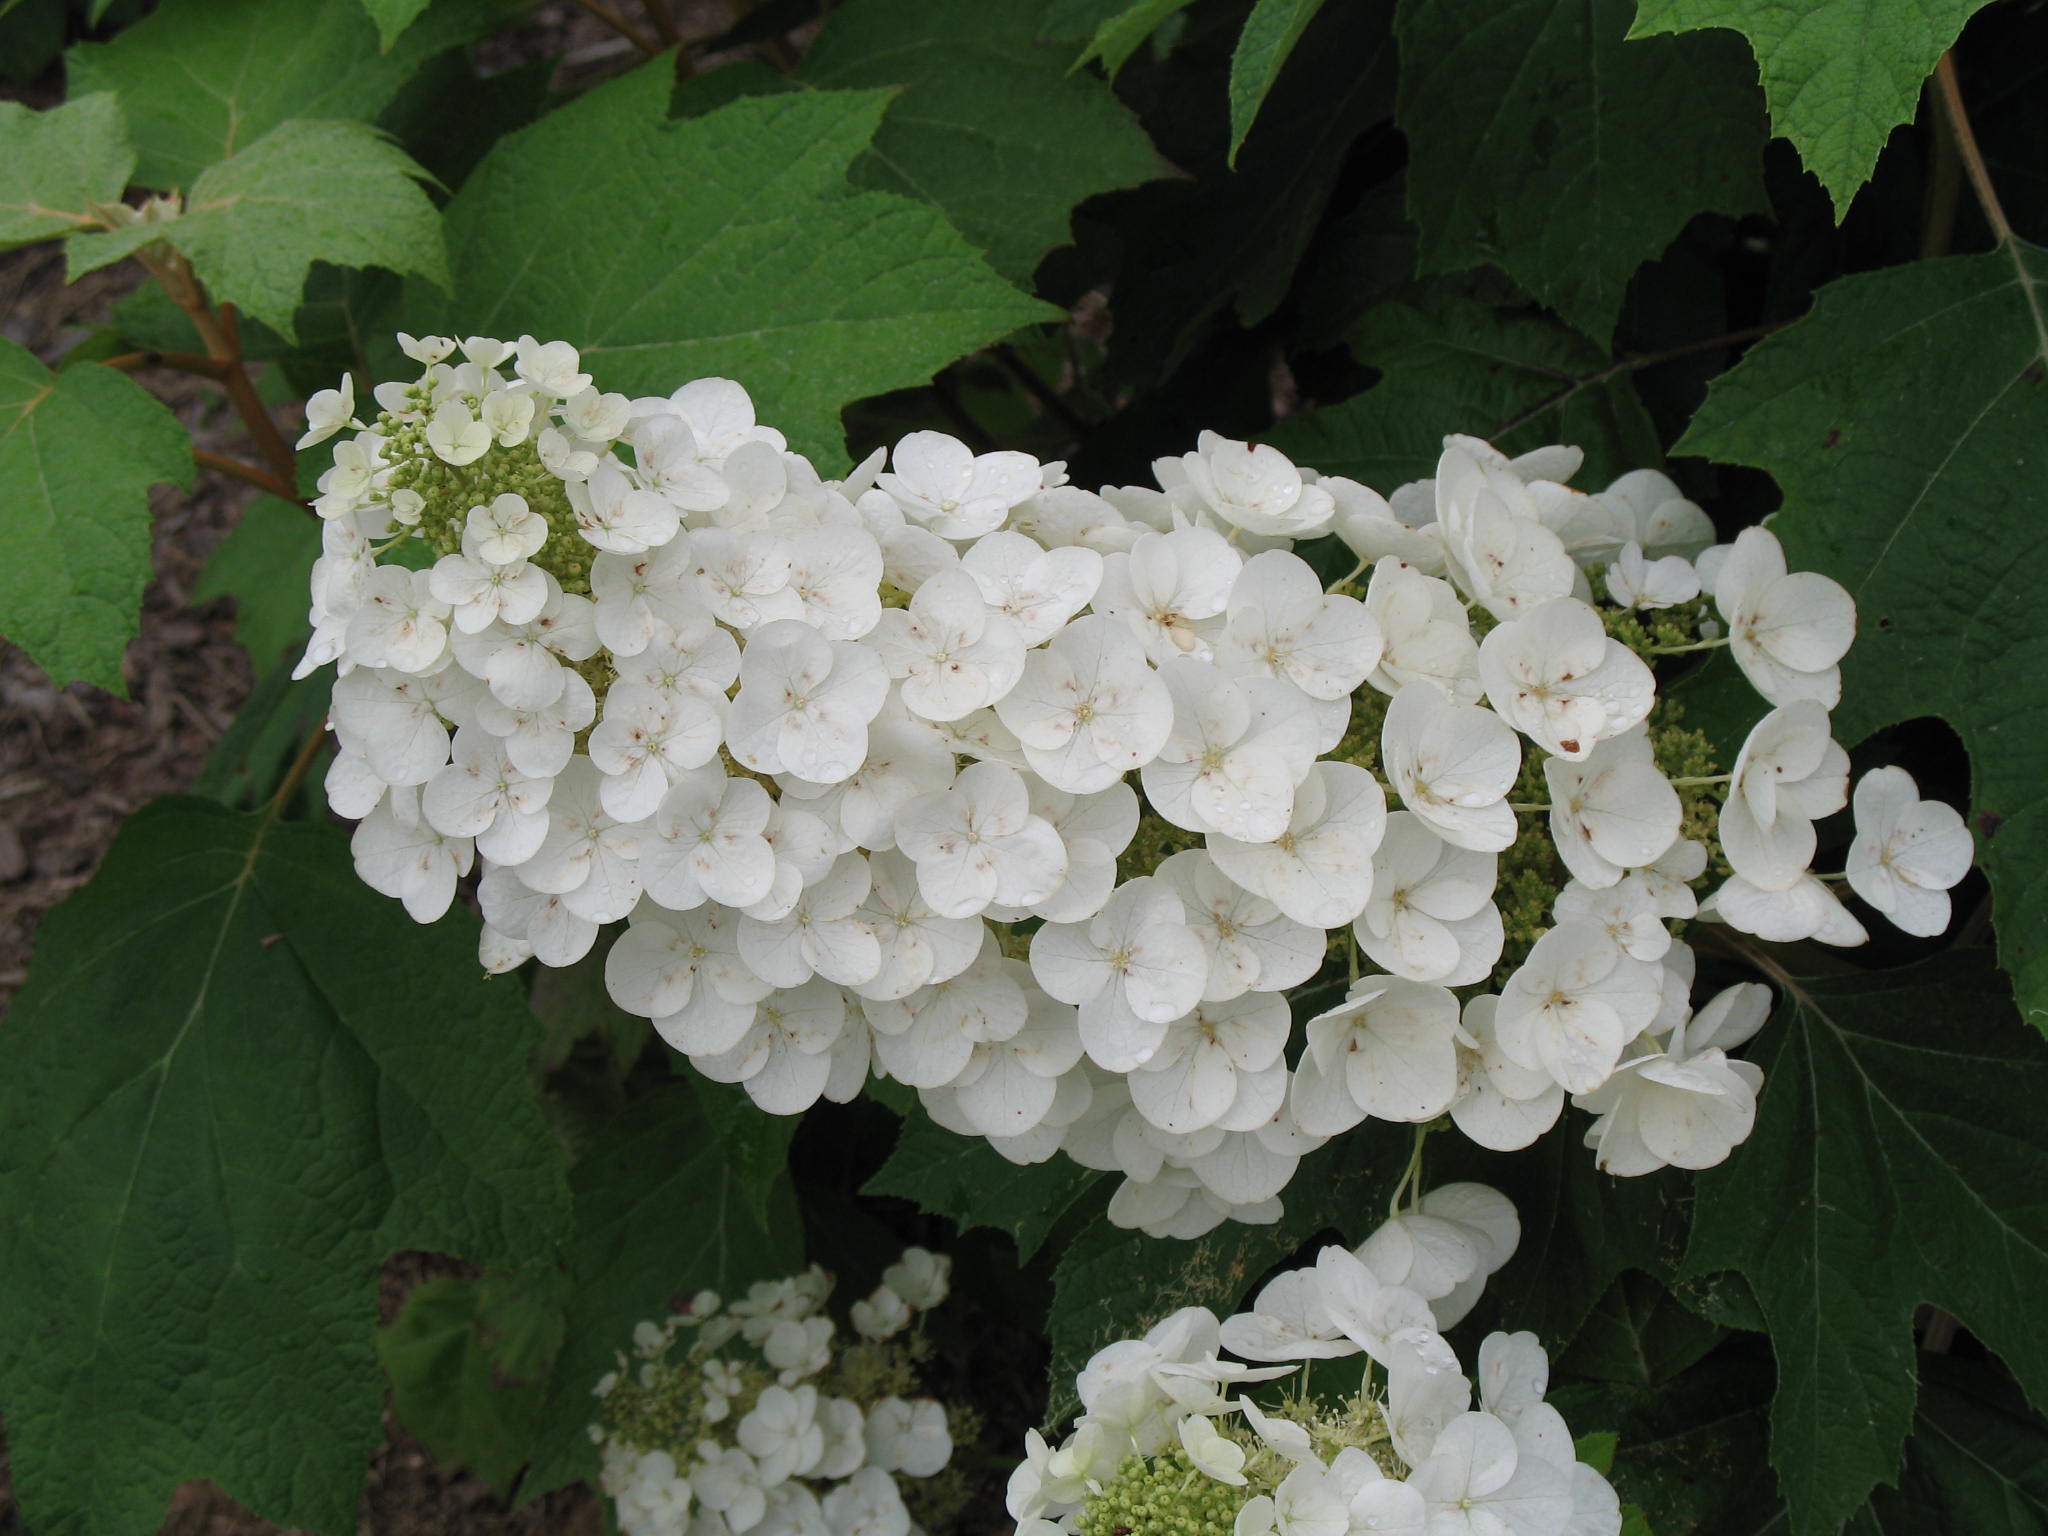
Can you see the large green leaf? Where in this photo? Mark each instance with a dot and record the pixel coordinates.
(1903, 419)
(1116, 36)
(1899, 1157)
(237, 1080)
(201, 80)
(468, 1362)
(393, 17)
(1977, 1462)
(54, 165)
(661, 1213)
(991, 128)
(969, 1182)
(255, 223)
(1453, 362)
(727, 244)
(78, 453)
(1839, 75)
(1542, 140)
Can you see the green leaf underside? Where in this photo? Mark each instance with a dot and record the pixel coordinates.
(1454, 363)
(219, 1121)
(1839, 75)
(1850, 1205)
(393, 17)
(1543, 141)
(1903, 418)
(1978, 1461)
(54, 165)
(992, 128)
(1269, 36)
(660, 1214)
(1118, 37)
(265, 565)
(467, 1361)
(201, 80)
(304, 192)
(78, 454)
(727, 245)
(972, 1184)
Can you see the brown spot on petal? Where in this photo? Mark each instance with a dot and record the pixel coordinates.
(1568, 746)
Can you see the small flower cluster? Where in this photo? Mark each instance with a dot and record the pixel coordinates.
(1043, 801)
(1168, 1440)
(767, 1423)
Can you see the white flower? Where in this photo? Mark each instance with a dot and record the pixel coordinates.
(1088, 709)
(953, 654)
(1288, 1321)
(328, 411)
(1636, 582)
(456, 436)
(615, 516)
(482, 794)
(781, 1432)
(1319, 869)
(480, 593)
(1495, 544)
(1280, 622)
(1213, 1456)
(506, 532)
(1502, 1106)
(821, 934)
(596, 417)
(1806, 909)
(1789, 774)
(804, 703)
(1131, 969)
(1229, 766)
(426, 350)
(550, 367)
(939, 482)
(506, 416)
(1453, 765)
(1661, 521)
(1169, 588)
(646, 740)
(917, 945)
(1907, 852)
(1375, 530)
(400, 624)
(730, 1483)
(1613, 811)
(1685, 1107)
(866, 1504)
(1785, 631)
(908, 1437)
(589, 858)
(1037, 590)
(882, 1315)
(1431, 917)
(1387, 1052)
(1251, 486)
(1383, 1320)
(1476, 1481)
(409, 860)
(1211, 1059)
(1554, 675)
(1425, 635)
(1574, 1004)
(1251, 944)
(976, 842)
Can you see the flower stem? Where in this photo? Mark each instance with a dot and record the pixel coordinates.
(1680, 650)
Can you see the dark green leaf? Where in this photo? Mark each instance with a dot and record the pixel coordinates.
(55, 165)
(1269, 36)
(468, 1362)
(660, 1214)
(393, 17)
(1898, 1158)
(78, 453)
(1542, 140)
(1458, 363)
(991, 127)
(973, 1185)
(247, 764)
(265, 565)
(1903, 419)
(1638, 1335)
(1977, 1462)
(218, 1121)
(756, 1144)
(201, 80)
(1840, 75)
(727, 244)
(255, 223)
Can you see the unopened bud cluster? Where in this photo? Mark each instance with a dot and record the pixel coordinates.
(1043, 801)
(757, 1417)
(1172, 1439)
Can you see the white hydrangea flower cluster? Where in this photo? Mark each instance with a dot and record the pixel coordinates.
(1042, 800)
(767, 1423)
(1169, 1440)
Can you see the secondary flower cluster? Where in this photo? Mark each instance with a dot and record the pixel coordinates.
(1043, 801)
(766, 1422)
(1168, 1440)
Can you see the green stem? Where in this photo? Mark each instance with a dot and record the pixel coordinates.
(1681, 650)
